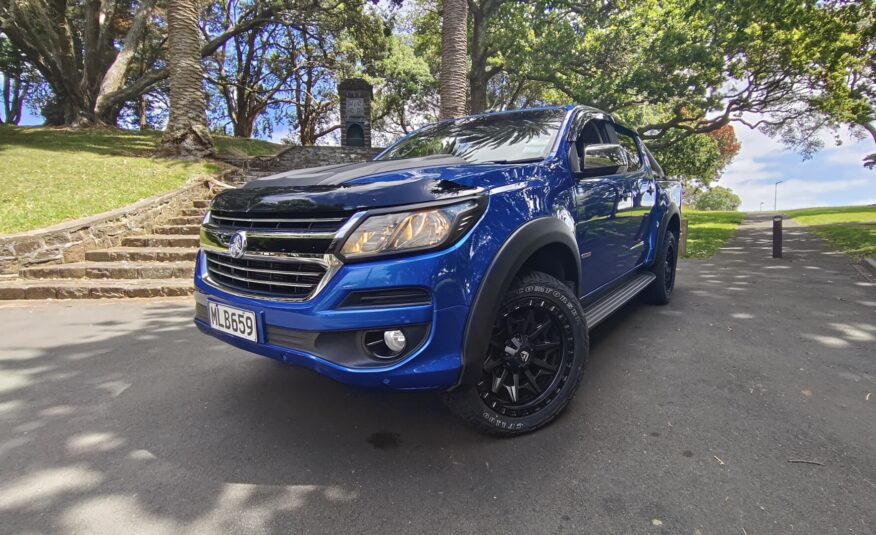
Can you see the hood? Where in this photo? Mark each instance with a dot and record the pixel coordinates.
(374, 184)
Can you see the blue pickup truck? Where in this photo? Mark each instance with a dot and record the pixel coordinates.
(471, 257)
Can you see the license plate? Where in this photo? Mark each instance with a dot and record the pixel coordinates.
(234, 321)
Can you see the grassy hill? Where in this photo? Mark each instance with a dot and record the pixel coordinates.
(850, 229)
(709, 231)
(52, 175)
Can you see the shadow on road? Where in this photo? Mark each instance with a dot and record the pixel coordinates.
(121, 417)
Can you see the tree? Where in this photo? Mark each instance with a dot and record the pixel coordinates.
(454, 47)
(19, 81)
(84, 49)
(187, 135)
(698, 160)
(840, 82)
(717, 198)
(405, 90)
(702, 64)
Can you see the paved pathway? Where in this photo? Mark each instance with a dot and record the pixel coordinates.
(118, 417)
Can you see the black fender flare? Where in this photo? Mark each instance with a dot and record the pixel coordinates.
(516, 250)
(671, 210)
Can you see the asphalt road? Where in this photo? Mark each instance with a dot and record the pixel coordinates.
(119, 417)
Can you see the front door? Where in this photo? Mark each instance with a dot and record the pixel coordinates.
(637, 203)
(601, 225)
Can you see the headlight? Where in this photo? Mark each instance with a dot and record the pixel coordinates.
(414, 230)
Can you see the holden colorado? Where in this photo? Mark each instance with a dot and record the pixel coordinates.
(470, 258)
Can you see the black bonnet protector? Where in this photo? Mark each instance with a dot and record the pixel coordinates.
(350, 187)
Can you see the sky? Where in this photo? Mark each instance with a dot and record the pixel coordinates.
(834, 176)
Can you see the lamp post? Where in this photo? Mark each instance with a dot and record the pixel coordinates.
(776, 196)
(761, 206)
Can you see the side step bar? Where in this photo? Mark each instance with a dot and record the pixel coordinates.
(602, 308)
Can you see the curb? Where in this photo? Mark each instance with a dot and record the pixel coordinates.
(870, 265)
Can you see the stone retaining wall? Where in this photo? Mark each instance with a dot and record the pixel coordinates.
(67, 242)
(296, 157)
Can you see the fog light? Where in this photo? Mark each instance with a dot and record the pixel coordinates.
(395, 340)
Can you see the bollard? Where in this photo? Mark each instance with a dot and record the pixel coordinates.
(682, 239)
(777, 236)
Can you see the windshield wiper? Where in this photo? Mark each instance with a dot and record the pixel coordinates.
(523, 160)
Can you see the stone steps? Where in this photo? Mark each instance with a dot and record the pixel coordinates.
(177, 229)
(161, 240)
(142, 254)
(94, 289)
(150, 265)
(111, 270)
(186, 220)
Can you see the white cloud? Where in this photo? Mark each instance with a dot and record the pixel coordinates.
(834, 176)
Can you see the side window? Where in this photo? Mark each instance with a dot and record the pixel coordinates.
(653, 163)
(629, 144)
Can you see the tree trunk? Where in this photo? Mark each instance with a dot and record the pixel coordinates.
(479, 55)
(481, 73)
(187, 134)
(454, 44)
(114, 78)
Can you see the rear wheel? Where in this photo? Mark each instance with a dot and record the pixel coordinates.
(660, 291)
(534, 362)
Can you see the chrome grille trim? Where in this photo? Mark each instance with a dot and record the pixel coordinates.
(269, 255)
(264, 282)
(276, 266)
(269, 271)
(269, 289)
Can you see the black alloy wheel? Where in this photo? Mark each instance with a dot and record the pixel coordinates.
(533, 363)
(669, 269)
(664, 268)
(529, 358)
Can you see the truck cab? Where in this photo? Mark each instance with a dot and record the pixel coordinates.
(471, 258)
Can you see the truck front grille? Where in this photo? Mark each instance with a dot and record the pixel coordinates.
(286, 256)
(231, 220)
(289, 278)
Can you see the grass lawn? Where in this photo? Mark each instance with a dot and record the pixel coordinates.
(52, 175)
(709, 231)
(238, 147)
(850, 229)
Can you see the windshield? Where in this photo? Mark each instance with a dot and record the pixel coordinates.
(499, 138)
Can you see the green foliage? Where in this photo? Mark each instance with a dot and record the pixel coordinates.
(405, 88)
(850, 229)
(696, 65)
(693, 159)
(49, 176)
(716, 199)
(709, 231)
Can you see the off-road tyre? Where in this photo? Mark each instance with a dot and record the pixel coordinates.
(539, 340)
(660, 291)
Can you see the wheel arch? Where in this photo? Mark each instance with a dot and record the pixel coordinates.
(544, 244)
(670, 221)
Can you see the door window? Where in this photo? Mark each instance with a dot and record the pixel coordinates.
(632, 149)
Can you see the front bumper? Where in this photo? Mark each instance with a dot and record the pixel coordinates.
(435, 364)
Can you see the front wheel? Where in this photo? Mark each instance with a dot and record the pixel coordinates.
(534, 362)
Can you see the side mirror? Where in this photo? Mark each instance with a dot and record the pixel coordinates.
(604, 158)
